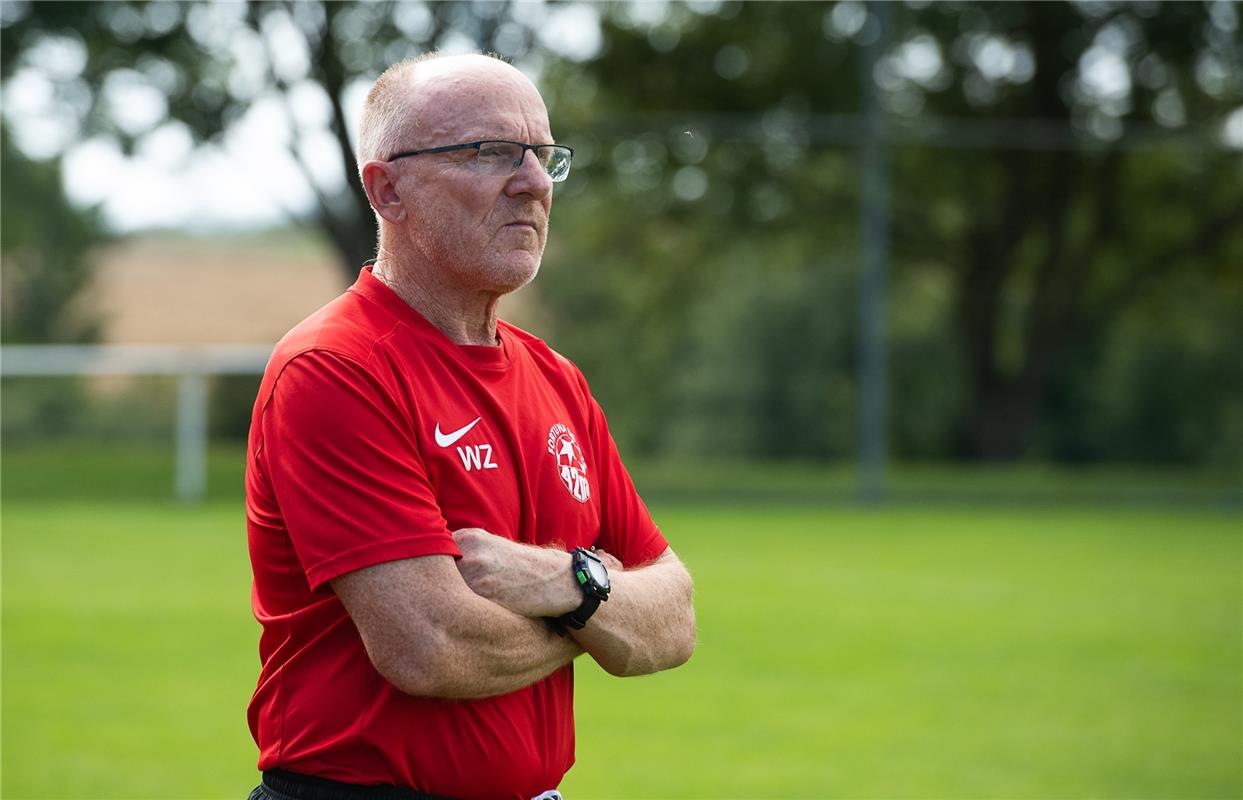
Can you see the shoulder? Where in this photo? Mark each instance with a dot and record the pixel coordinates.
(337, 341)
(349, 325)
(561, 375)
(544, 356)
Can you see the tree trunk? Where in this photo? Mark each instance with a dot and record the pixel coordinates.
(349, 222)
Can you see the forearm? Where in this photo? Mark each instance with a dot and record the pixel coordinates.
(648, 622)
(489, 650)
(428, 634)
(646, 625)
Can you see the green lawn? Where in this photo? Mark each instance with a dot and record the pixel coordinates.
(950, 652)
(143, 471)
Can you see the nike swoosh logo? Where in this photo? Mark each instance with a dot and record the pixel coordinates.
(446, 439)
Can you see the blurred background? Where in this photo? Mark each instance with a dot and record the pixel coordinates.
(920, 325)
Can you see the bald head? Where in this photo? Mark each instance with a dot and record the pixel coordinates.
(408, 97)
(449, 216)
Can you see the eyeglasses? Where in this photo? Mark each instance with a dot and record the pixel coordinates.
(501, 158)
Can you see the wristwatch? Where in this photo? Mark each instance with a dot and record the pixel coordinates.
(593, 578)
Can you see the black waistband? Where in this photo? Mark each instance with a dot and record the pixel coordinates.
(309, 787)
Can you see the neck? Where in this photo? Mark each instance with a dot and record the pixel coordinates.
(466, 316)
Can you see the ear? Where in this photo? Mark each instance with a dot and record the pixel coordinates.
(380, 183)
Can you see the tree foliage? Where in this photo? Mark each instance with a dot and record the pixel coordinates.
(1054, 167)
(44, 243)
(1065, 216)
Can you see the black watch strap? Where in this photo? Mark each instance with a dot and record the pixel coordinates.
(593, 593)
(577, 619)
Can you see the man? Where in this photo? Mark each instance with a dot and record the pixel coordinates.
(419, 472)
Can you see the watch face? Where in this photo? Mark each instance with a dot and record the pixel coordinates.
(598, 573)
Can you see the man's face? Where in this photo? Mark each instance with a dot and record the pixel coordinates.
(478, 231)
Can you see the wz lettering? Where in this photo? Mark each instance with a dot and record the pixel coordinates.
(476, 456)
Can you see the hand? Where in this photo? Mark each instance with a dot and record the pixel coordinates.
(610, 561)
(531, 581)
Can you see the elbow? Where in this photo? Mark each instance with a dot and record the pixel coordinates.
(679, 643)
(422, 666)
(411, 677)
(674, 650)
(625, 664)
(683, 646)
(410, 680)
(683, 633)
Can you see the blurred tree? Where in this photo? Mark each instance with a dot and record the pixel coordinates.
(1055, 168)
(1058, 243)
(44, 264)
(210, 63)
(43, 244)
(1059, 163)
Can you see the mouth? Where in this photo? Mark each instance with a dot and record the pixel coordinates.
(521, 224)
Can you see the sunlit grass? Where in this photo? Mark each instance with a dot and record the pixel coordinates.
(889, 653)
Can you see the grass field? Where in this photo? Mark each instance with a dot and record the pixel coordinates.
(924, 652)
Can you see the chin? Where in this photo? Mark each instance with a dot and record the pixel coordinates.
(510, 275)
(523, 279)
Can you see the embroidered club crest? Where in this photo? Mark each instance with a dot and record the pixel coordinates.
(571, 465)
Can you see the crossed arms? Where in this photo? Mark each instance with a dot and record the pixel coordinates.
(475, 628)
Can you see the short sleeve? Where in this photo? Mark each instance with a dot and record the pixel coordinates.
(627, 529)
(345, 470)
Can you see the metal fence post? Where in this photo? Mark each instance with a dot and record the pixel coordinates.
(191, 474)
(874, 258)
(191, 364)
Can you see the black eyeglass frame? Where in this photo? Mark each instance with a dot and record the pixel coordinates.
(476, 145)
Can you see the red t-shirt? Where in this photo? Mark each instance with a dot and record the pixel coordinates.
(373, 437)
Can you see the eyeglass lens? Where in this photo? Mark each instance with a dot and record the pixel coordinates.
(502, 158)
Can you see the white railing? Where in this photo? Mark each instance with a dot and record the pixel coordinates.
(192, 364)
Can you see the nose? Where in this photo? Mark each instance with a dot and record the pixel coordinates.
(530, 178)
